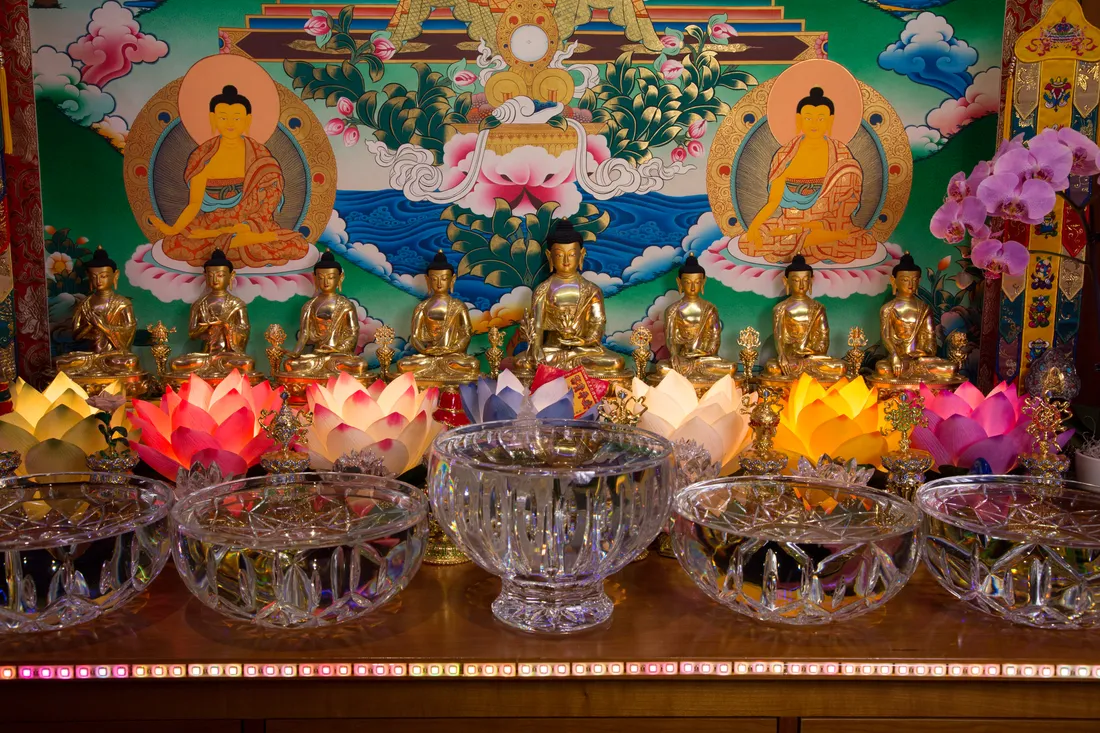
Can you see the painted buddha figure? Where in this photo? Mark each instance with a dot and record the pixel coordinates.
(106, 319)
(565, 325)
(814, 189)
(220, 320)
(909, 332)
(235, 190)
(801, 330)
(693, 331)
(328, 332)
(441, 331)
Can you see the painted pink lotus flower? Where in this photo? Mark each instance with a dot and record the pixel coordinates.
(345, 106)
(966, 425)
(955, 219)
(351, 136)
(671, 69)
(670, 42)
(318, 25)
(465, 78)
(384, 48)
(722, 30)
(335, 126)
(697, 129)
(1000, 258)
(1086, 154)
(225, 43)
(526, 177)
(1004, 195)
(679, 154)
(695, 148)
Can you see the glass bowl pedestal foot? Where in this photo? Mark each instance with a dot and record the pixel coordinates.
(555, 608)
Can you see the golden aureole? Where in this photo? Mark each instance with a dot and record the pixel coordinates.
(693, 332)
(219, 319)
(106, 319)
(441, 332)
(565, 324)
(801, 331)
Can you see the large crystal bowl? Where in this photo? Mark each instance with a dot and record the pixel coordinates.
(553, 507)
(74, 546)
(300, 550)
(1016, 547)
(791, 550)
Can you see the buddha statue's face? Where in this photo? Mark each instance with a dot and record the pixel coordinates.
(800, 282)
(906, 283)
(440, 282)
(815, 122)
(102, 279)
(567, 258)
(691, 283)
(218, 278)
(230, 120)
(328, 280)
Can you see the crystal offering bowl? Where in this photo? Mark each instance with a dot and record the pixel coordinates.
(1016, 547)
(74, 546)
(553, 507)
(791, 550)
(300, 550)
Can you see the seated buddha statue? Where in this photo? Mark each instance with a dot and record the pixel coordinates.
(814, 189)
(328, 332)
(693, 331)
(441, 331)
(235, 190)
(801, 330)
(565, 324)
(106, 319)
(220, 320)
(909, 333)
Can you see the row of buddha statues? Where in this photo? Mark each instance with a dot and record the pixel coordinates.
(564, 327)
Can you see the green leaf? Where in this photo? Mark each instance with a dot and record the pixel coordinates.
(343, 20)
(375, 67)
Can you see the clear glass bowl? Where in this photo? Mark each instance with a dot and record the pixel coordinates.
(553, 507)
(74, 546)
(792, 550)
(1016, 547)
(300, 550)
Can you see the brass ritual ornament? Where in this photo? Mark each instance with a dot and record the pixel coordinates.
(857, 348)
(1046, 461)
(906, 466)
(749, 341)
(286, 427)
(158, 334)
(761, 459)
(640, 339)
(494, 353)
(384, 337)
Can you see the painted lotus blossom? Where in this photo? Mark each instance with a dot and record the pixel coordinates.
(1004, 195)
(720, 31)
(844, 420)
(55, 429)
(965, 425)
(383, 48)
(526, 177)
(695, 148)
(955, 219)
(58, 263)
(345, 106)
(1086, 154)
(503, 399)
(318, 25)
(335, 126)
(671, 69)
(1000, 258)
(672, 43)
(205, 424)
(465, 78)
(351, 136)
(697, 129)
(679, 154)
(393, 421)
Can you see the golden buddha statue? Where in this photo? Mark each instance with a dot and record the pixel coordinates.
(106, 319)
(441, 332)
(693, 331)
(329, 328)
(814, 188)
(909, 335)
(801, 331)
(220, 320)
(565, 325)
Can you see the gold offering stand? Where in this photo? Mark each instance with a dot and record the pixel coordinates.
(761, 459)
(286, 428)
(906, 465)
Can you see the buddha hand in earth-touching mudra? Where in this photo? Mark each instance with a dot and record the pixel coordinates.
(441, 331)
(909, 332)
(801, 330)
(693, 331)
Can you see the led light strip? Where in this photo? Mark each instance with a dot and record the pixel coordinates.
(453, 669)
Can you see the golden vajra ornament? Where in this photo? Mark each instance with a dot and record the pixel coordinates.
(857, 348)
(160, 349)
(906, 465)
(761, 459)
(384, 336)
(285, 428)
(275, 336)
(622, 408)
(1046, 461)
(958, 348)
(749, 341)
(494, 353)
(640, 339)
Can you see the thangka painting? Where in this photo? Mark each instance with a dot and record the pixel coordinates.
(390, 131)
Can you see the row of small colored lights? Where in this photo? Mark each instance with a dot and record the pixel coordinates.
(550, 669)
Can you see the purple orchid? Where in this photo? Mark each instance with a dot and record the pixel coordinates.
(955, 219)
(1016, 143)
(961, 186)
(1053, 160)
(1000, 258)
(1004, 195)
(1085, 152)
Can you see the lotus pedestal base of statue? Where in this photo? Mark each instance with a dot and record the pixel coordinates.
(175, 380)
(296, 385)
(784, 382)
(133, 385)
(907, 384)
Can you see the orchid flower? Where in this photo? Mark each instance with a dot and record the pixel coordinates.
(955, 219)
(1000, 258)
(1004, 195)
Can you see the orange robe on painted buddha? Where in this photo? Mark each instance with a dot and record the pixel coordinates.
(831, 200)
(253, 200)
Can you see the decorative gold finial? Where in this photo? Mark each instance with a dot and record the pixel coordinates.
(958, 348)
(640, 340)
(160, 349)
(285, 428)
(749, 341)
(906, 414)
(857, 345)
(384, 336)
(761, 459)
(906, 465)
(494, 353)
(275, 336)
(622, 408)
(1046, 461)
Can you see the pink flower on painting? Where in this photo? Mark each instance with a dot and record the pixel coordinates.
(670, 42)
(526, 177)
(318, 25)
(1004, 195)
(954, 220)
(225, 43)
(671, 69)
(722, 30)
(113, 44)
(465, 78)
(944, 263)
(695, 148)
(697, 129)
(383, 48)
(335, 126)
(351, 136)
(1085, 152)
(1000, 258)
(679, 154)
(345, 106)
